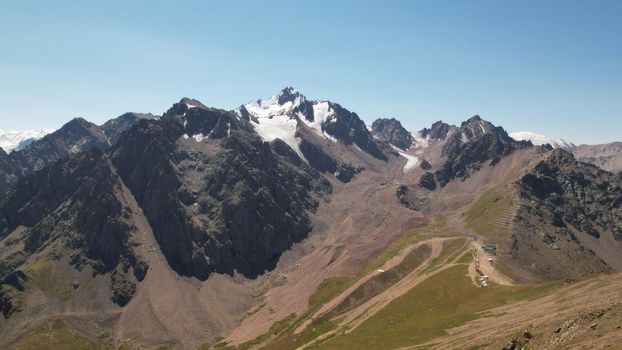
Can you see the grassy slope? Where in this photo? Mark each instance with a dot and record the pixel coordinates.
(380, 282)
(490, 205)
(443, 301)
(331, 287)
(56, 336)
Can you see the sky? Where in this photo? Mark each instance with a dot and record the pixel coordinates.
(551, 67)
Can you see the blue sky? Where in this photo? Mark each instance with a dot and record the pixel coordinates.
(552, 67)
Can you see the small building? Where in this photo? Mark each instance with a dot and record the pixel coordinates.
(489, 248)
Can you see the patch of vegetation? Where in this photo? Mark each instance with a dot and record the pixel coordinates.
(451, 249)
(443, 301)
(491, 205)
(328, 289)
(436, 228)
(380, 282)
(277, 329)
(45, 275)
(332, 287)
(56, 336)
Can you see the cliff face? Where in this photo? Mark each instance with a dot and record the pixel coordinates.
(221, 203)
(467, 148)
(234, 205)
(73, 204)
(571, 215)
(392, 131)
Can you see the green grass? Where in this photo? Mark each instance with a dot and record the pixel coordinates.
(56, 336)
(451, 248)
(490, 205)
(328, 289)
(333, 286)
(44, 274)
(436, 228)
(380, 282)
(445, 300)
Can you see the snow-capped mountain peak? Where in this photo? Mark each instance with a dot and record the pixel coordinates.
(280, 115)
(538, 139)
(11, 140)
(290, 94)
(282, 104)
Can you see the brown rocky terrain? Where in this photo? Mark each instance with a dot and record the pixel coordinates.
(607, 156)
(288, 224)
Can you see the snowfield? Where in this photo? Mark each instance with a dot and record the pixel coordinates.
(538, 139)
(273, 120)
(17, 139)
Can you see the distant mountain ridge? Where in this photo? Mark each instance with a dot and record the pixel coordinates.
(607, 156)
(540, 140)
(18, 139)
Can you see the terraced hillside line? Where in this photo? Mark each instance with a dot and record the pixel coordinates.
(355, 317)
(506, 220)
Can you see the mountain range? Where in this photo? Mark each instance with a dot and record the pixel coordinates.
(289, 223)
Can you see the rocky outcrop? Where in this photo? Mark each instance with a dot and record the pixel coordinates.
(437, 131)
(8, 174)
(321, 161)
(566, 204)
(583, 196)
(427, 181)
(392, 131)
(349, 128)
(475, 142)
(411, 199)
(113, 128)
(425, 165)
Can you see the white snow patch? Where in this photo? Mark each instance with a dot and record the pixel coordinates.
(464, 138)
(18, 139)
(481, 125)
(472, 131)
(538, 139)
(281, 127)
(185, 136)
(420, 141)
(228, 130)
(411, 160)
(272, 120)
(275, 120)
(322, 114)
(198, 137)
